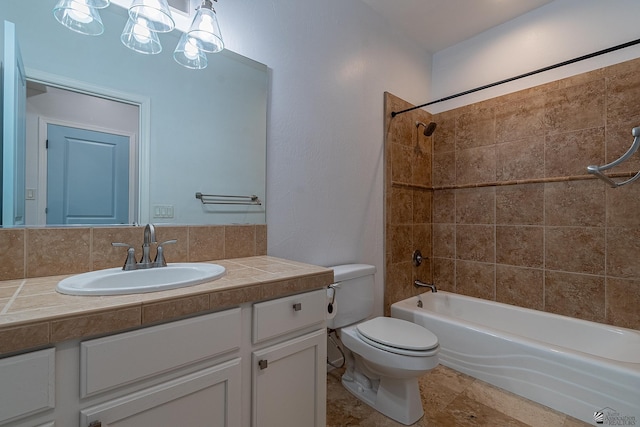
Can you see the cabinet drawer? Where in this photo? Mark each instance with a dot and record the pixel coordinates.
(210, 397)
(27, 384)
(284, 315)
(121, 359)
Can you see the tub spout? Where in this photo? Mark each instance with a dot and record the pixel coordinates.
(420, 284)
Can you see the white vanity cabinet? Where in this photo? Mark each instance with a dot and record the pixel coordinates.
(27, 387)
(289, 370)
(208, 396)
(260, 365)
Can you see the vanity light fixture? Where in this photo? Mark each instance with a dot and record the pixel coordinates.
(155, 12)
(99, 4)
(146, 19)
(189, 53)
(80, 16)
(138, 37)
(205, 28)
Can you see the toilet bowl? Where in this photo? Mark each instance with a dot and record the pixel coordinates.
(385, 356)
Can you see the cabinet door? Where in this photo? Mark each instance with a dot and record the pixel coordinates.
(210, 397)
(27, 384)
(289, 383)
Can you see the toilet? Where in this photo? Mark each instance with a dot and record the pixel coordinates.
(384, 356)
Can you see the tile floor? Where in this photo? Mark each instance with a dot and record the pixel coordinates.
(450, 399)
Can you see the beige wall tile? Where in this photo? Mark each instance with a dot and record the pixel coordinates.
(520, 159)
(475, 206)
(444, 206)
(444, 240)
(444, 169)
(476, 165)
(476, 279)
(401, 210)
(475, 243)
(520, 245)
(261, 239)
(206, 243)
(422, 206)
(520, 204)
(54, 251)
(520, 118)
(475, 127)
(239, 241)
(400, 242)
(568, 154)
(575, 203)
(173, 252)
(104, 255)
(575, 249)
(12, 253)
(581, 106)
(623, 300)
(575, 295)
(623, 252)
(519, 286)
(623, 206)
(444, 274)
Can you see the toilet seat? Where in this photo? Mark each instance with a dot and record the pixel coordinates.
(398, 336)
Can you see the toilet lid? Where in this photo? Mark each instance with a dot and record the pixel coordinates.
(398, 333)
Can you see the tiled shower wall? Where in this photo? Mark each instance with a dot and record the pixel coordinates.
(516, 218)
(36, 252)
(408, 197)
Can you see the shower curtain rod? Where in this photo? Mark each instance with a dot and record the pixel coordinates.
(531, 73)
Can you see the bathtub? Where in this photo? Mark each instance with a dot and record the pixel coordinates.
(581, 368)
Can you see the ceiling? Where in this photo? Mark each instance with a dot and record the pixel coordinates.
(438, 24)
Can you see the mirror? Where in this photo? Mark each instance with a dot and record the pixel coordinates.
(194, 131)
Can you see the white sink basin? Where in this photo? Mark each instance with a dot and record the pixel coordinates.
(116, 281)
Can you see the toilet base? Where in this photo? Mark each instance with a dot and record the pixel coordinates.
(398, 399)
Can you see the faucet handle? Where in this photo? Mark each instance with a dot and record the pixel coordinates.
(160, 261)
(130, 263)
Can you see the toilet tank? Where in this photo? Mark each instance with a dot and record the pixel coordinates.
(354, 287)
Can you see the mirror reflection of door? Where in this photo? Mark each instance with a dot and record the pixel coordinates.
(49, 105)
(87, 176)
(12, 141)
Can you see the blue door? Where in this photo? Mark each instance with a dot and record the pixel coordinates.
(87, 177)
(14, 113)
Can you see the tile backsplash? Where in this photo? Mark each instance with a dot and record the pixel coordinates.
(35, 252)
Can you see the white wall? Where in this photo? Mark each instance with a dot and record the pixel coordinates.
(331, 62)
(557, 32)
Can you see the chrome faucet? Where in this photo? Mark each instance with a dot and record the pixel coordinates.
(420, 284)
(149, 237)
(145, 261)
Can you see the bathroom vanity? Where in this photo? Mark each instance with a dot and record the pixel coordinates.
(245, 350)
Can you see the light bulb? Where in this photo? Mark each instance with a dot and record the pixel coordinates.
(142, 33)
(206, 24)
(191, 49)
(81, 13)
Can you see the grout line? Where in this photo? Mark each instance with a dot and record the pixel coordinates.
(6, 307)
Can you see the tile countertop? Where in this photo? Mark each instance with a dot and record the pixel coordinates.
(33, 314)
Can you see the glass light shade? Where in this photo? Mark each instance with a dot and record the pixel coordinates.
(206, 29)
(99, 4)
(79, 16)
(137, 36)
(189, 53)
(155, 12)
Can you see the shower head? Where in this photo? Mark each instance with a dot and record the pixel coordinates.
(428, 129)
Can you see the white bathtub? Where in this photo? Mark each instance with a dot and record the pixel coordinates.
(573, 366)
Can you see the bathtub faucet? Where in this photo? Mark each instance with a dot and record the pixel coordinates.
(420, 284)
